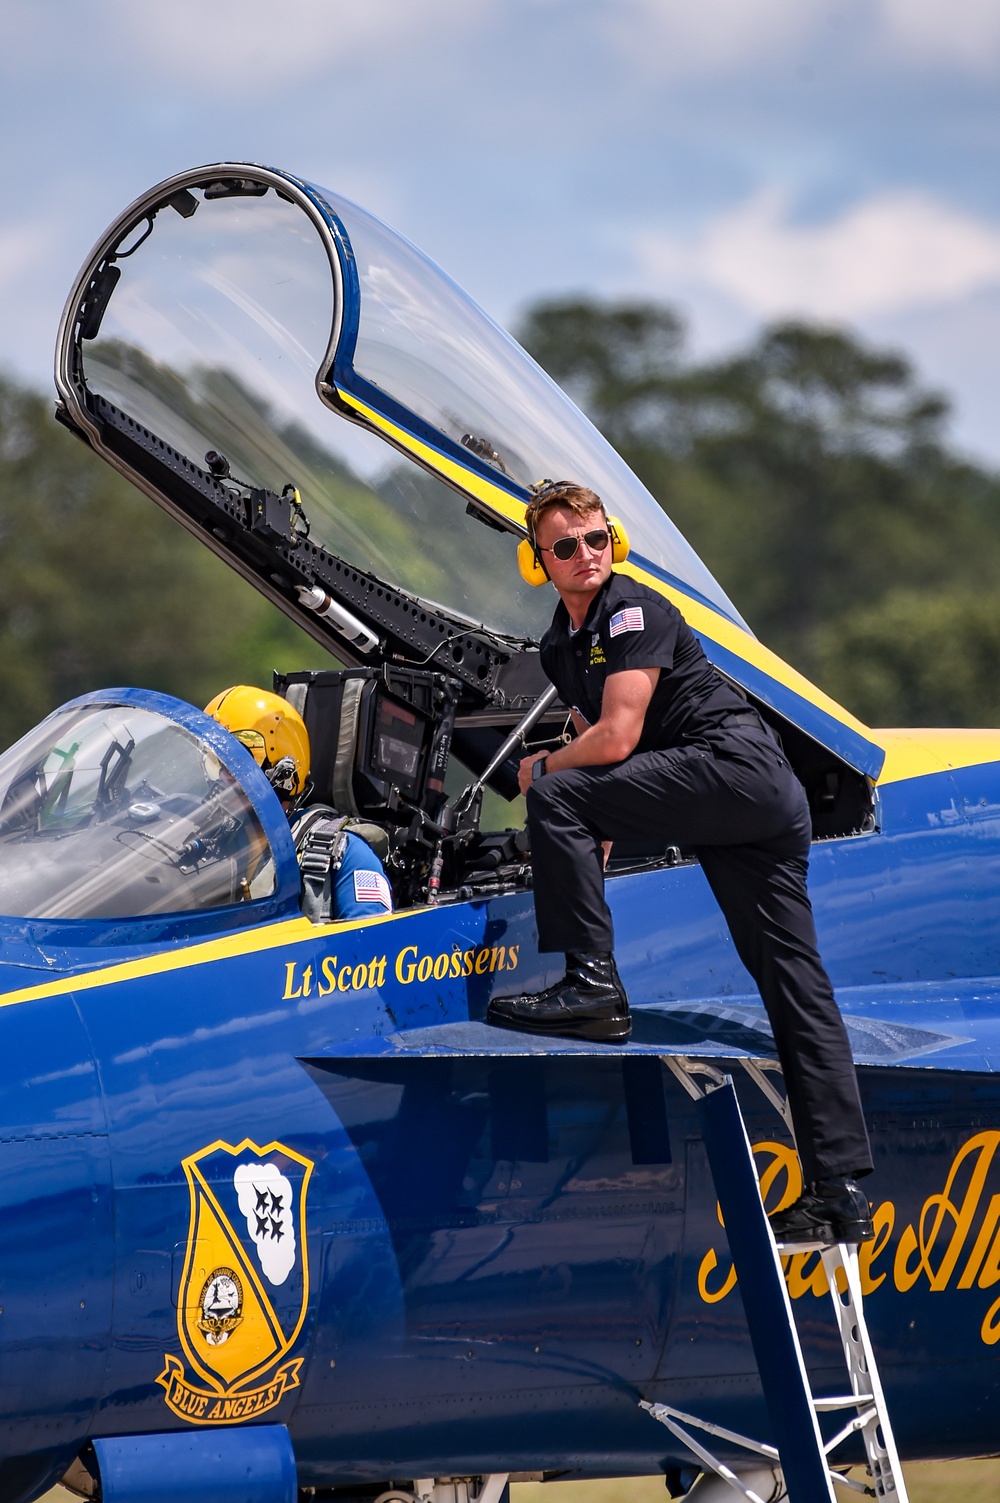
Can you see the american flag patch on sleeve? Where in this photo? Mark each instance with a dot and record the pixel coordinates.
(630, 619)
(372, 887)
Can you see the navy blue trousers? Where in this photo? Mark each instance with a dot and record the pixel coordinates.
(732, 798)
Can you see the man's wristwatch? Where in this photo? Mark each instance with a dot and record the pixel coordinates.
(538, 769)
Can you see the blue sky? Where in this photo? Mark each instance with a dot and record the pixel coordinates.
(741, 159)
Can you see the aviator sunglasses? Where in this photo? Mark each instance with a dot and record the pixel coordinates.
(564, 548)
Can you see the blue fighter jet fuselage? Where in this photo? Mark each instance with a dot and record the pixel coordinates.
(263, 1172)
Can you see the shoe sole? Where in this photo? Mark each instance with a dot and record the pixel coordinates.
(826, 1236)
(593, 1030)
(813, 1236)
(855, 1231)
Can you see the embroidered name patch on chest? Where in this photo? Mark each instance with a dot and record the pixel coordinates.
(630, 619)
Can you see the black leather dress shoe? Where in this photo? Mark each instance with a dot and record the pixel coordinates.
(588, 1003)
(828, 1210)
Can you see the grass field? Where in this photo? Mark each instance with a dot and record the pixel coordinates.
(930, 1482)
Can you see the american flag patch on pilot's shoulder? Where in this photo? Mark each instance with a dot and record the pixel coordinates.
(372, 887)
(630, 619)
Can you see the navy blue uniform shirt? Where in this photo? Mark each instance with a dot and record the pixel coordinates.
(631, 626)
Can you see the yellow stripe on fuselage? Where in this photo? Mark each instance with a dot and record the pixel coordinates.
(909, 754)
(294, 931)
(915, 753)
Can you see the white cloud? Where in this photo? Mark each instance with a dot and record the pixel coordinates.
(678, 38)
(235, 46)
(889, 253)
(943, 32)
(673, 37)
(21, 245)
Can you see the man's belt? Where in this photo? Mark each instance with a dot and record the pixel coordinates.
(751, 717)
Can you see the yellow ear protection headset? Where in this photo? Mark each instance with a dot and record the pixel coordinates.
(529, 557)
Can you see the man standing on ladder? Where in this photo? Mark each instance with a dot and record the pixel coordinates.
(665, 748)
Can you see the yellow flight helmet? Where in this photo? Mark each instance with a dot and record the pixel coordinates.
(269, 727)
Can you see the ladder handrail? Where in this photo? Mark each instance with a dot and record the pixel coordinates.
(801, 1451)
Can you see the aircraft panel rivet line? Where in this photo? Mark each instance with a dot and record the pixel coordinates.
(800, 1450)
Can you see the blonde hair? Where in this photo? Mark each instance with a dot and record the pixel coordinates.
(566, 493)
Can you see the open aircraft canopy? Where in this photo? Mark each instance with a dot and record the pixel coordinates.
(214, 344)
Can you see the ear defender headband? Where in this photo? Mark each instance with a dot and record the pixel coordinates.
(533, 570)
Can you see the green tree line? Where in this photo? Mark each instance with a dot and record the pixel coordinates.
(811, 473)
(99, 588)
(813, 476)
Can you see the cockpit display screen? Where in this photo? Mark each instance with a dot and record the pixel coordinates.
(398, 745)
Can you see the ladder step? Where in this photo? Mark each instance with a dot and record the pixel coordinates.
(803, 1454)
(766, 1304)
(789, 1249)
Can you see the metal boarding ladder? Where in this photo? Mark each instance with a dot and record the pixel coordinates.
(801, 1452)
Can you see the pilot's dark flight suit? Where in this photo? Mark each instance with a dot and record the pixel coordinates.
(706, 774)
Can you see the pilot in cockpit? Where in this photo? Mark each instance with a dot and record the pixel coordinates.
(340, 858)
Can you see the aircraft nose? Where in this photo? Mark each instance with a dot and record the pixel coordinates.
(56, 1243)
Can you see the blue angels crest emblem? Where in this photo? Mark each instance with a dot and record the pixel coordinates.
(244, 1288)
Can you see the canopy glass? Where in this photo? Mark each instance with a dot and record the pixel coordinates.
(219, 328)
(213, 339)
(426, 344)
(111, 811)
